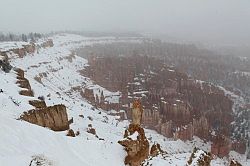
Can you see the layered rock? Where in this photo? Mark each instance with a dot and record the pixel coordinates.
(221, 146)
(29, 48)
(135, 141)
(136, 145)
(239, 146)
(54, 117)
(174, 104)
(24, 84)
(88, 94)
(38, 103)
(99, 101)
(137, 113)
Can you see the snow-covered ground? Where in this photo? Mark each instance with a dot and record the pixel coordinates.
(22, 143)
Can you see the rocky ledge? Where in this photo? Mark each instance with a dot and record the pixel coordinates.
(54, 117)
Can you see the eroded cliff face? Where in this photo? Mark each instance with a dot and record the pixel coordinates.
(54, 117)
(175, 104)
(99, 101)
(29, 48)
(221, 146)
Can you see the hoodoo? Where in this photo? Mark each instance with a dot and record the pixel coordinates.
(135, 141)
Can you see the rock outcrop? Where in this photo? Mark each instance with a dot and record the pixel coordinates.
(221, 146)
(156, 150)
(29, 48)
(234, 163)
(137, 113)
(199, 158)
(136, 145)
(135, 141)
(54, 117)
(23, 83)
(48, 43)
(38, 103)
(91, 130)
(4, 62)
(71, 133)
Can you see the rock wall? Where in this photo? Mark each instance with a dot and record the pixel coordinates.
(239, 146)
(221, 146)
(54, 117)
(99, 101)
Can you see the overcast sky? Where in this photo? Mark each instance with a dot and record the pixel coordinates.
(202, 20)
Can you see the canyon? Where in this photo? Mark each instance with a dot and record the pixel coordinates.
(175, 104)
(67, 106)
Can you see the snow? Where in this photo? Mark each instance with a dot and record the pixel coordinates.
(170, 70)
(22, 142)
(134, 136)
(5, 46)
(2, 58)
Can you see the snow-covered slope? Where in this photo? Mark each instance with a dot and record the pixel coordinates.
(24, 144)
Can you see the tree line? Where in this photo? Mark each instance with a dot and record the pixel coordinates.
(20, 37)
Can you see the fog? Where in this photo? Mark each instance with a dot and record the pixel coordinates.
(214, 21)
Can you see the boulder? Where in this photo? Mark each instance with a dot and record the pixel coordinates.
(71, 133)
(91, 131)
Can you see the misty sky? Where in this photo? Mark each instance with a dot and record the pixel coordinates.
(202, 20)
